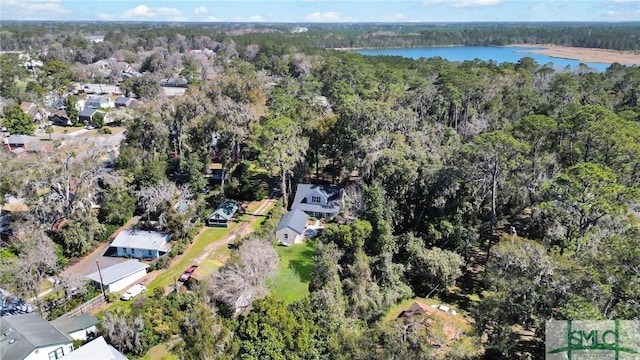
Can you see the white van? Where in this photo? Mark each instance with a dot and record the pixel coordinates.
(134, 291)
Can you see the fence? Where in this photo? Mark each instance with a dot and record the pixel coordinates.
(87, 306)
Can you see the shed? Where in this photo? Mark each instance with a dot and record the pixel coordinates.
(290, 229)
(141, 244)
(78, 327)
(29, 336)
(120, 275)
(223, 214)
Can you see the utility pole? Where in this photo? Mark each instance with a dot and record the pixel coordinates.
(101, 285)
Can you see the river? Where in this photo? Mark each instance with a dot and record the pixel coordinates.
(499, 54)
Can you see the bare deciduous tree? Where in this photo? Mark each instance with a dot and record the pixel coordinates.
(246, 274)
(123, 333)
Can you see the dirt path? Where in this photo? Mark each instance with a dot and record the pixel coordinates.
(239, 232)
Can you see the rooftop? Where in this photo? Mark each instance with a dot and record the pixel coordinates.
(225, 210)
(21, 334)
(332, 193)
(141, 239)
(118, 271)
(98, 349)
(72, 324)
(295, 219)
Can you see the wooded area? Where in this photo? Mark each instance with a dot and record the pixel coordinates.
(440, 160)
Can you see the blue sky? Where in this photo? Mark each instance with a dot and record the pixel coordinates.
(323, 10)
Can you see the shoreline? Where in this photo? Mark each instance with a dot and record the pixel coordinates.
(595, 55)
(592, 55)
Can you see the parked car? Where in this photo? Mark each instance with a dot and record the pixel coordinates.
(134, 291)
(187, 273)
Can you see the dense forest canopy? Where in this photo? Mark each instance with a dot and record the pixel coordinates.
(509, 190)
(618, 36)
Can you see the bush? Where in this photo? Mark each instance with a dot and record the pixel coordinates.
(111, 297)
(162, 263)
(105, 130)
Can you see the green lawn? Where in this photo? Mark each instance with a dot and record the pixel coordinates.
(291, 283)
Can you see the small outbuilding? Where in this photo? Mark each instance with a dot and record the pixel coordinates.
(290, 229)
(81, 327)
(223, 214)
(141, 244)
(119, 276)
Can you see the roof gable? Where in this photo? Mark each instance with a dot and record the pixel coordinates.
(295, 220)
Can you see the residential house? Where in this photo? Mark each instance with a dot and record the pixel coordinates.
(119, 276)
(290, 229)
(60, 118)
(97, 349)
(125, 102)
(223, 214)
(14, 142)
(86, 116)
(141, 244)
(29, 336)
(99, 102)
(95, 38)
(81, 327)
(318, 200)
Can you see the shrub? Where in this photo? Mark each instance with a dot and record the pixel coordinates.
(105, 130)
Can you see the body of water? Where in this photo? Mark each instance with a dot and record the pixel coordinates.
(498, 54)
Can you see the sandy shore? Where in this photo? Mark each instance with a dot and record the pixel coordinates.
(586, 54)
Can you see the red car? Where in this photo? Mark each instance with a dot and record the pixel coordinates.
(187, 273)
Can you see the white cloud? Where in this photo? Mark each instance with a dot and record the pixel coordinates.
(146, 13)
(211, 18)
(463, 3)
(142, 11)
(256, 18)
(32, 9)
(200, 10)
(330, 16)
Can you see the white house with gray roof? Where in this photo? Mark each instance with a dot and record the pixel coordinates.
(290, 229)
(119, 276)
(30, 337)
(141, 244)
(318, 200)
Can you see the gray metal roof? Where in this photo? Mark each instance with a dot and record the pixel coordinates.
(295, 219)
(118, 271)
(225, 210)
(72, 324)
(141, 239)
(98, 349)
(28, 332)
(332, 193)
(88, 112)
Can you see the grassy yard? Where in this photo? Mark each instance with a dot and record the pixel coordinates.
(291, 283)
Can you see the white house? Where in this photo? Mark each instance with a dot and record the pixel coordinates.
(318, 200)
(97, 349)
(119, 276)
(290, 229)
(97, 102)
(30, 337)
(78, 327)
(141, 244)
